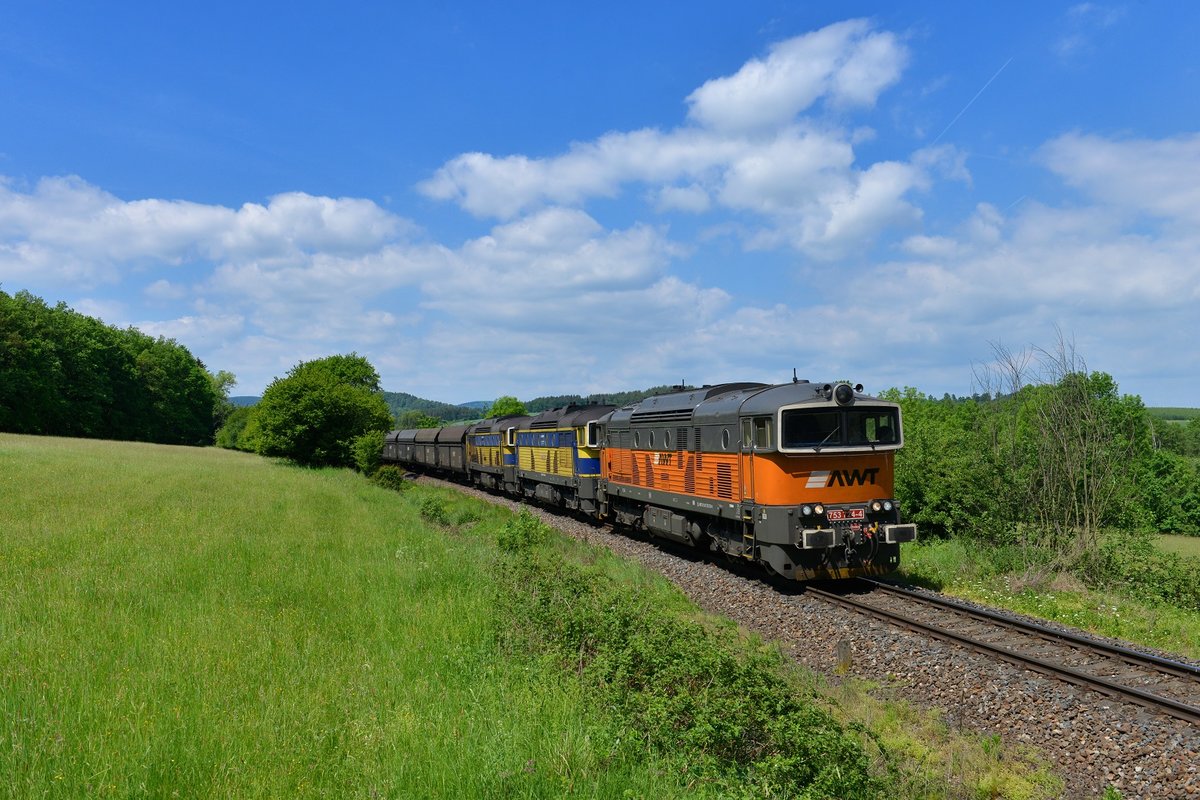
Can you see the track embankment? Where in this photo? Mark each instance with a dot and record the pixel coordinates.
(1094, 740)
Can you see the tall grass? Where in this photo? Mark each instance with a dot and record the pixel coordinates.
(199, 623)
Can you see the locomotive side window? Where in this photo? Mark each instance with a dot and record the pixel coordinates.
(593, 434)
(762, 433)
(725, 438)
(747, 433)
(512, 437)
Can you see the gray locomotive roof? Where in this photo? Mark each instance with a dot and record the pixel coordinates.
(785, 394)
(567, 417)
(688, 406)
(499, 424)
(721, 404)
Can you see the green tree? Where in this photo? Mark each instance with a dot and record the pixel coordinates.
(232, 434)
(66, 374)
(314, 415)
(504, 406)
(407, 420)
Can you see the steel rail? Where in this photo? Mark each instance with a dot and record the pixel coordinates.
(1126, 654)
(1175, 708)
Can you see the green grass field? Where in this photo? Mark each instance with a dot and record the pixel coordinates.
(1174, 414)
(1183, 545)
(178, 622)
(212, 624)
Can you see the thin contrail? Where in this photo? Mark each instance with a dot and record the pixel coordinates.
(972, 100)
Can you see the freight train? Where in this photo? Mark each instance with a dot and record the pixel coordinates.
(798, 477)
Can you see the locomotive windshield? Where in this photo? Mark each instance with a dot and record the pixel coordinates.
(854, 427)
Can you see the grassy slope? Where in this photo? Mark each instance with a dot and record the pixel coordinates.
(210, 622)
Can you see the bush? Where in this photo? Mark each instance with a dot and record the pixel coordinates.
(434, 510)
(368, 451)
(522, 532)
(1131, 559)
(390, 477)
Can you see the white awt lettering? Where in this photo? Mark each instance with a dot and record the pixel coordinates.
(849, 477)
(817, 479)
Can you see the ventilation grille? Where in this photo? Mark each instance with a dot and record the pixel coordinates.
(724, 481)
(682, 415)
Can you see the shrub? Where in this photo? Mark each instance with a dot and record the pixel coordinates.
(368, 451)
(390, 477)
(522, 532)
(434, 510)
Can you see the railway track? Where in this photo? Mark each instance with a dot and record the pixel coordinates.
(1158, 683)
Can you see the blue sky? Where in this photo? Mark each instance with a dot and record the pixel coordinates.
(539, 198)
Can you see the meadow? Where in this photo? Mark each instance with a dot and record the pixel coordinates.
(182, 622)
(209, 623)
(1182, 545)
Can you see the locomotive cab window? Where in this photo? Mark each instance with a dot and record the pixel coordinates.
(593, 434)
(865, 427)
(512, 437)
(747, 433)
(871, 426)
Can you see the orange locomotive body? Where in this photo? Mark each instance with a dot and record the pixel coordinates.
(796, 476)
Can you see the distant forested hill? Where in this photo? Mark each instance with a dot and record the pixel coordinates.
(404, 403)
(400, 402)
(539, 404)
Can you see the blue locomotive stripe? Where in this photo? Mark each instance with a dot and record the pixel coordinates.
(546, 438)
(587, 466)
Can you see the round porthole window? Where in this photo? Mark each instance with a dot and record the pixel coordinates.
(637, 438)
(725, 439)
(651, 440)
(667, 439)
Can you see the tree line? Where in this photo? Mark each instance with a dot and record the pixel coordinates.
(66, 374)
(1046, 459)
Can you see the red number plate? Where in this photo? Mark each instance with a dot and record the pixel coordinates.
(839, 514)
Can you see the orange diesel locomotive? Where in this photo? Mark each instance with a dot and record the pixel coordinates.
(795, 476)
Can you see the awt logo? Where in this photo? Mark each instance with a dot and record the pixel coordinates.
(824, 478)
